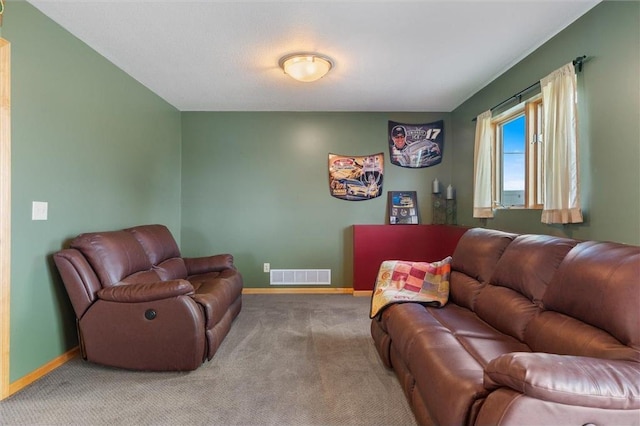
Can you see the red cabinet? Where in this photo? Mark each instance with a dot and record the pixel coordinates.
(373, 244)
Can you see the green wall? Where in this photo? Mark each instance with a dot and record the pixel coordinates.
(106, 153)
(102, 150)
(256, 184)
(609, 125)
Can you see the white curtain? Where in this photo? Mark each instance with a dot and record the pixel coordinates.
(561, 183)
(483, 167)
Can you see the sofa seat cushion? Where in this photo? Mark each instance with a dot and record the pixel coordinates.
(198, 280)
(446, 351)
(216, 292)
(405, 322)
(556, 333)
(477, 337)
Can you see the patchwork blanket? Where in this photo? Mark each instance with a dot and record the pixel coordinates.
(401, 281)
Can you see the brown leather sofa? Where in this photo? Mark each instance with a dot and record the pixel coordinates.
(140, 305)
(537, 330)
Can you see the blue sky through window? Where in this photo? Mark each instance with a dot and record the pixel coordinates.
(513, 143)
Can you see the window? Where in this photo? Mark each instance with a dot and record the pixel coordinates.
(548, 143)
(519, 165)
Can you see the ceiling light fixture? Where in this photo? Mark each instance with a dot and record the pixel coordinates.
(305, 67)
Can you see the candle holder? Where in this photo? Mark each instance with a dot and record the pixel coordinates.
(439, 206)
(450, 206)
(451, 211)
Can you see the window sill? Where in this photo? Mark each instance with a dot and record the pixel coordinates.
(518, 208)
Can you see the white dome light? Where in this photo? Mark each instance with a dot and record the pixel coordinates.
(305, 67)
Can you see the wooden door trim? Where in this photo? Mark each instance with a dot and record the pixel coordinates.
(5, 213)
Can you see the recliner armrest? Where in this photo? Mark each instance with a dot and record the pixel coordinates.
(572, 380)
(202, 265)
(145, 292)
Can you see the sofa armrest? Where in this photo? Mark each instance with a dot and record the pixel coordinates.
(201, 265)
(571, 380)
(146, 292)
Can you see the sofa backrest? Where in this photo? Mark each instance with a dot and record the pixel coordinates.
(157, 242)
(161, 249)
(101, 259)
(591, 304)
(113, 255)
(474, 260)
(513, 295)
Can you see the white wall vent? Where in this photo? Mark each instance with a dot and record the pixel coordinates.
(300, 277)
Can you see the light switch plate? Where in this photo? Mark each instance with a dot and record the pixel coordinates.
(39, 210)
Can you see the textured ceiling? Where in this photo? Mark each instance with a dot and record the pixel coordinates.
(388, 55)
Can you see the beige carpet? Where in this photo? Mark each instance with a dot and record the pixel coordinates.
(288, 360)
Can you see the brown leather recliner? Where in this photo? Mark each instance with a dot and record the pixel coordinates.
(537, 330)
(140, 305)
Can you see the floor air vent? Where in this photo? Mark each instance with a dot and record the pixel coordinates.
(300, 277)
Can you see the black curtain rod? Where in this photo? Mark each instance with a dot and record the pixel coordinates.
(577, 63)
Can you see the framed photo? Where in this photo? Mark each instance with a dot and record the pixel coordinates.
(403, 208)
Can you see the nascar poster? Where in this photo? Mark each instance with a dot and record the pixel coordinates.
(356, 178)
(416, 145)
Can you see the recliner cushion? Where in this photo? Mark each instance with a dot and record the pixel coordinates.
(529, 262)
(171, 269)
(463, 289)
(519, 281)
(157, 241)
(113, 255)
(506, 310)
(474, 260)
(598, 284)
(478, 251)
